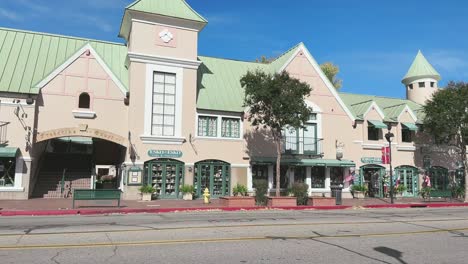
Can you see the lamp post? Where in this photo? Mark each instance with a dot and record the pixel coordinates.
(389, 137)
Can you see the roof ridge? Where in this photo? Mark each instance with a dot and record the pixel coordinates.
(378, 96)
(61, 36)
(363, 102)
(286, 52)
(237, 60)
(391, 106)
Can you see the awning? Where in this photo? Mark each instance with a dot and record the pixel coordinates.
(306, 162)
(8, 152)
(377, 124)
(77, 140)
(411, 126)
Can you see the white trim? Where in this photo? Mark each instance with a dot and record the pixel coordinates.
(249, 179)
(27, 159)
(84, 114)
(163, 25)
(179, 72)
(372, 146)
(358, 141)
(240, 165)
(164, 61)
(24, 105)
(219, 126)
(412, 114)
(321, 74)
(406, 148)
(136, 163)
(19, 173)
(11, 189)
(318, 122)
(377, 108)
(147, 139)
(73, 58)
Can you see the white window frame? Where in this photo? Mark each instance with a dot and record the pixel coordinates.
(219, 125)
(147, 137)
(17, 187)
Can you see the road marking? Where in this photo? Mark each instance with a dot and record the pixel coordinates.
(223, 227)
(220, 240)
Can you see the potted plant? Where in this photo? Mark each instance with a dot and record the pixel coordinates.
(108, 182)
(239, 190)
(187, 191)
(147, 192)
(359, 191)
(399, 190)
(425, 192)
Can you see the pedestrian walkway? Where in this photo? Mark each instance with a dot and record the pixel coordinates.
(64, 206)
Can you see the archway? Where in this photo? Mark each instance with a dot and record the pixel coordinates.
(214, 175)
(373, 177)
(408, 176)
(166, 176)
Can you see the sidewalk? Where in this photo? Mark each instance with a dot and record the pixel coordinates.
(64, 206)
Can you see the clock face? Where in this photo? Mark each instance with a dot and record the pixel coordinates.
(166, 36)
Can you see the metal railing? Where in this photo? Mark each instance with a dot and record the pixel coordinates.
(3, 132)
(302, 145)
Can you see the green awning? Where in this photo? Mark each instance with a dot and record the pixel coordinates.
(8, 152)
(305, 162)
(411, 126)
(77, 140)
(377, 124)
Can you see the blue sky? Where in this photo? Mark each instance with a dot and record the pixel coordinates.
(373, 42)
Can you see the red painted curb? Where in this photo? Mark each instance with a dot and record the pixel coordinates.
(172, 210)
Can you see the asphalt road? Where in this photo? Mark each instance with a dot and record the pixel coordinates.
(346, 236)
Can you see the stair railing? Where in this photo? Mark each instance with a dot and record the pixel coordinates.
(62, 182)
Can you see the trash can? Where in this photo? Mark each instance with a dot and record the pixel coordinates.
(336, 191)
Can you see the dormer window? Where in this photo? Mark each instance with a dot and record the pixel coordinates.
(422, 84)
(84, 101)
(410, 86)
(432, 84)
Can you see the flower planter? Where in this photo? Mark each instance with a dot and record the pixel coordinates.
(187, 197)
(146, 197)
(359, 195)
(322, 201)
(237, 201)
(282, 201)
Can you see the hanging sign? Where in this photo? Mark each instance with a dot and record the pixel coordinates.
(386, 155)
(371, 160)
(165, 153)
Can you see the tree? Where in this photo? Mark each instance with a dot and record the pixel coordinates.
(263, 59)
(331, 71)
(275, 102)
(447, 120)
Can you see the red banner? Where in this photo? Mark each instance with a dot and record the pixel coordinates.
(386, 155)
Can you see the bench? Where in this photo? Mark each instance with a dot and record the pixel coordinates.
(82, 195)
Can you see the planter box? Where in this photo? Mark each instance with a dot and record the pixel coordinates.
(146, 197)
(322, 201)
(237, 201)
(359, 195)
(187, 197)
(282, 201)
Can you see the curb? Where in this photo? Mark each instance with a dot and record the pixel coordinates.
(224, 209)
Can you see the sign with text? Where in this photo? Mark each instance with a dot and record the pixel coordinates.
(371, 160)
(165, 153)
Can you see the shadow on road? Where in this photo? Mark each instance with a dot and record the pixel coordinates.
(391, 252)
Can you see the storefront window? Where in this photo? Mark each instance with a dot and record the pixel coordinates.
(336, 175)
(230, 127)
(259, 172)
(300, 174)
(7, 172)
(318, 177)
(284, 177)
(207, 126)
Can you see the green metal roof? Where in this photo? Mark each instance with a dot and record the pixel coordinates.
(420, 68)
(358, 104)
(27, 58)
(219, 80)
(411, 126)
(170, 8)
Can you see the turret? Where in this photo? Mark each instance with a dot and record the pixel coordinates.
(421, 81)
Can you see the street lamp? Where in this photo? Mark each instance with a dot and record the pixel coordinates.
(389, 137)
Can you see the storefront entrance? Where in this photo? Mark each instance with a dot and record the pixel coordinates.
(440, 182)
(373, 179)
(408, 177)
(166, 176)
(214, 175)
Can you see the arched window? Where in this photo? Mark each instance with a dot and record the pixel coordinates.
(84, 101)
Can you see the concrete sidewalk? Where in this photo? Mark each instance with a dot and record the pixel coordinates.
(64, 206)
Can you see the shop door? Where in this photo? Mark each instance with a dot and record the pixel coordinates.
(439, 181)
(409, 178)
(166, 177)
(373, 180)
(215, 176)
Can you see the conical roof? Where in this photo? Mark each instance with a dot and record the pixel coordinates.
(420, 68)
(170, 8)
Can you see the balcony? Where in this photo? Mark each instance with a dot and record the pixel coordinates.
(297, 145)
(3, 132)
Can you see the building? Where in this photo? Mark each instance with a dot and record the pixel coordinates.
(80, 113)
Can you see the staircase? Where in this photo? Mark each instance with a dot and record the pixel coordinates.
(77, 176)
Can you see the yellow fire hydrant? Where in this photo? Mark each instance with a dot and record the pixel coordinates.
(206, 195)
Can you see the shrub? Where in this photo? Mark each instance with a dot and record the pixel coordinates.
(301, 192)
(425, 192)
(147, 189)
(458, 192)
(239, 189)
(186, 188)
(359, 188)
(400, 189)
(261, 189)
